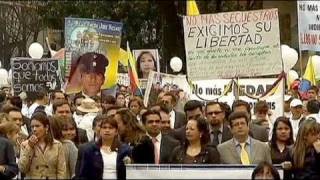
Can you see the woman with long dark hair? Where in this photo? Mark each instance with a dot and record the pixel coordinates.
(145, 63)
(41, 156)
(281, 140)
(281, 144)
(195, 149)
(104, 159)
(306, 151)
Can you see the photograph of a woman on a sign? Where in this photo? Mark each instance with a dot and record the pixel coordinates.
(147, 60)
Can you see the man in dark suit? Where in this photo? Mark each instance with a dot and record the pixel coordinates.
(177, 119)
(163, 144)
(256, 131)
(165, 120)
(193, 109)
(219, 130)
(62, 108)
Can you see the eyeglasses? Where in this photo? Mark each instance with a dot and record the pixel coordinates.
(153, 121)
(214, 112)
(239, 123)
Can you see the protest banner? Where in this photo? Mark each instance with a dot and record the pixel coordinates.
(249, 90)
(158, 82)
(91, 35)
(32, 75)
(144, 66)
(232, 44)
(123, 79)
(184, 171)
(309, 25)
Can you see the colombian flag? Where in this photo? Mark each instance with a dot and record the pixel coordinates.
(133, 75)
(309, 79)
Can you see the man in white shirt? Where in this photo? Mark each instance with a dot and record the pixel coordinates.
(89, 108)
(40, 99)
(177, 119)
(296, 108)
(313, 108)
(56, 95)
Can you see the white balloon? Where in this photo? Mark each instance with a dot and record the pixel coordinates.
(291, 76)
(284, 46)
(36, 50)
(3, 77)
(289, 57)
(176, 64)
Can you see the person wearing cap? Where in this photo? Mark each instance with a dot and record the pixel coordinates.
(92, 67)
(90, 110)
(296, 108)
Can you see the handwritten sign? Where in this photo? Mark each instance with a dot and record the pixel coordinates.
(309, 25)
(33, 75)
(226, 45)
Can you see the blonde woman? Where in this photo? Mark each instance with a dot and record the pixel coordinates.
(42, 157)
(306, 151)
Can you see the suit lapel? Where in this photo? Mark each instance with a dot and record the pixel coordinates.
(253, 151)
(161, 148)
(226, 134)
(176, 119)
(234, 152)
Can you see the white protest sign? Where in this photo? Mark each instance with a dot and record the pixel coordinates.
(212, 89)
(232, 44)
(257, 87)
(309, 25)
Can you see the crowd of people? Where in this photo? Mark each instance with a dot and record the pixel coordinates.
(53, 135)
